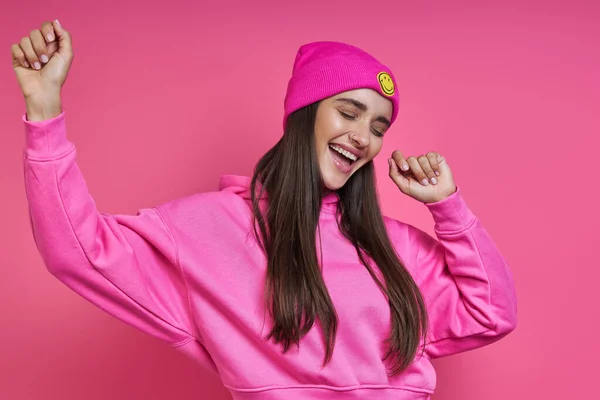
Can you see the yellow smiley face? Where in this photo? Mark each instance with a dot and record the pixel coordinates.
(386, 83)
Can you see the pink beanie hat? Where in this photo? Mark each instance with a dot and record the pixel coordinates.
(324, 69)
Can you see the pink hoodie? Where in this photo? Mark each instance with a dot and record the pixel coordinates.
(190, 273)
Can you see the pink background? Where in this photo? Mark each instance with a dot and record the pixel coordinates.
(161, 100)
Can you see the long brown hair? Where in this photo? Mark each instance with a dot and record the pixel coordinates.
(295, 292)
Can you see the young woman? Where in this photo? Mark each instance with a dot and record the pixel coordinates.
(288, 284)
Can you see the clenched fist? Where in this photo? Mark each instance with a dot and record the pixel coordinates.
(42, 61)
(413, 176)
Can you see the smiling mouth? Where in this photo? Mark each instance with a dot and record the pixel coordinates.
(388, 89)
(351, 157)
(342, 158)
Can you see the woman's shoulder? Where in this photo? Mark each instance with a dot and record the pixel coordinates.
(397, 229)
(406, 237)
(230, 203)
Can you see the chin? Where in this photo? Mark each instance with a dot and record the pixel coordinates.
(334, 180)
(335, 175)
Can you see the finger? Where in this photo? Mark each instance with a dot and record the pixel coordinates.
(30, 55)
(48, 31)
(18, 55)
(416, 169)
(426, 167)
(400, 180)
(433, 158)
(39, 45)
(65, 46)
(400, 160)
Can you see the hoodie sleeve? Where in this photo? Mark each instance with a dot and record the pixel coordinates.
(466, 283)
(127, 265)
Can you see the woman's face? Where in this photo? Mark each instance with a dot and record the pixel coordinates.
(349, 130)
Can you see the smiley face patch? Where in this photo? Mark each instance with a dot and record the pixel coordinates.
(386, 83)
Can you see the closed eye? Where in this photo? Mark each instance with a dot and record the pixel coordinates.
(377, 133)
(347, 116)
(352, 117)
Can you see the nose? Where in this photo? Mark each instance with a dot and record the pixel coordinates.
(360, 137)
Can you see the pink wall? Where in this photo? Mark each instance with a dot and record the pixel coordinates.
(162, 101)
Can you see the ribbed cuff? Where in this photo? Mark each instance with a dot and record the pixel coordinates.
(452, 213)
(46, 139)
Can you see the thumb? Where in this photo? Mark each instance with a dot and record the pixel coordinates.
(400, 180)
(443, 165)
(65, 47)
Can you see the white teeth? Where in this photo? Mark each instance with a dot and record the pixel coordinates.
(344, 152)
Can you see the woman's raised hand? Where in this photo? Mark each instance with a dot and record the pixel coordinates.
(42, 61)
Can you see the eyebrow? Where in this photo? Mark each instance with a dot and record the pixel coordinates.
(363, 107)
